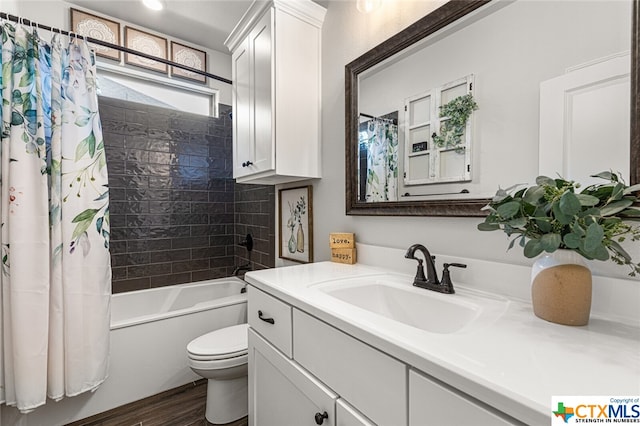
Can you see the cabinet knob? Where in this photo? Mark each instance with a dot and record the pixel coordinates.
(269, 320)
(320, 417)
(247, 164)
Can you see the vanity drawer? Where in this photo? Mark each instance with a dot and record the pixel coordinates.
(271, 318)
(374, 383)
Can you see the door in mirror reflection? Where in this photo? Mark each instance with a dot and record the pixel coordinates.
(586, 111)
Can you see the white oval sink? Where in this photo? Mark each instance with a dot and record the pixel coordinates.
(393, 298)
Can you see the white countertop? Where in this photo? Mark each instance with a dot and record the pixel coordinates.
(515, 365)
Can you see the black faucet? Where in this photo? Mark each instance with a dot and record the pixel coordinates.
(432, 275)
(248, 244)
(431, 281)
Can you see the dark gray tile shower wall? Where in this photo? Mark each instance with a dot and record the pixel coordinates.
(174, 215)
(255, 215)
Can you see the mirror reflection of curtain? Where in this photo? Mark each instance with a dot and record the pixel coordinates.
(379, 141)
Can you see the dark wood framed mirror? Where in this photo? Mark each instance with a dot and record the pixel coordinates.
(432, 23)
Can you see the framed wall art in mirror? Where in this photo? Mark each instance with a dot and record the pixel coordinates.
(509, 55)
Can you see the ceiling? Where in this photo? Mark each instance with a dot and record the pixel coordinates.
(203, 22)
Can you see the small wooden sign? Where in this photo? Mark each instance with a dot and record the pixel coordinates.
(342, 240)
(343, 255)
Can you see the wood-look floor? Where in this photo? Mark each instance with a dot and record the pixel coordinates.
(183, 406)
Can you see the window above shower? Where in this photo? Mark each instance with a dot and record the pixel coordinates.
(137, 86)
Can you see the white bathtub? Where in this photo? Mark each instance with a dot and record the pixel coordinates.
(150, 330)
(139, 307)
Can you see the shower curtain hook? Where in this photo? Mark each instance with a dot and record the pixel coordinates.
(85, 44)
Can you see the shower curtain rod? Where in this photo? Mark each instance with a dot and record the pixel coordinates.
(391, 120)
(25, 21)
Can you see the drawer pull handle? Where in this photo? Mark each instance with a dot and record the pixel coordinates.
(247, 164)
(320, 417)
(269, 320)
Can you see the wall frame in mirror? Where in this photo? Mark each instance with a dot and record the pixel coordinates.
(509, 56)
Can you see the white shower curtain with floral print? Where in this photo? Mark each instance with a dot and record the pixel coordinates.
(380, 137)
(54, 205)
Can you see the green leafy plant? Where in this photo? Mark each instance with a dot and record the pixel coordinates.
(553, 215)
(457, 112)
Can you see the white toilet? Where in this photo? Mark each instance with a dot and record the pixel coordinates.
(221, 357)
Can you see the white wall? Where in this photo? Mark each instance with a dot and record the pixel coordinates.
(346, 35)
(9, 6)
(55, 13)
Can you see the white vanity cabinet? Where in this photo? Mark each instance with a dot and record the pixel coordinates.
(276, 92)
(301, 367)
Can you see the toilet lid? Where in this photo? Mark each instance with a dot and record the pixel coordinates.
(229, 341)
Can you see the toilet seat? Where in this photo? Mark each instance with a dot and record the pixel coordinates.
(229, 343)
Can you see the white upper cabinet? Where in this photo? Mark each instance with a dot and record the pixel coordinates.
(276, 92)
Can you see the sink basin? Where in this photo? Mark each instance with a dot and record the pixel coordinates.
(393, 298)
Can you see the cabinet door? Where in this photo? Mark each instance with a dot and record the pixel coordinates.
(261, 48)
(433, 404)
(242, 145)
(282, 393)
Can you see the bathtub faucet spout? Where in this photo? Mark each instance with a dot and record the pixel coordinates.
(240, 268)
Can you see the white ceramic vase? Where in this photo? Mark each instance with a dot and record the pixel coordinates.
(561, 288)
